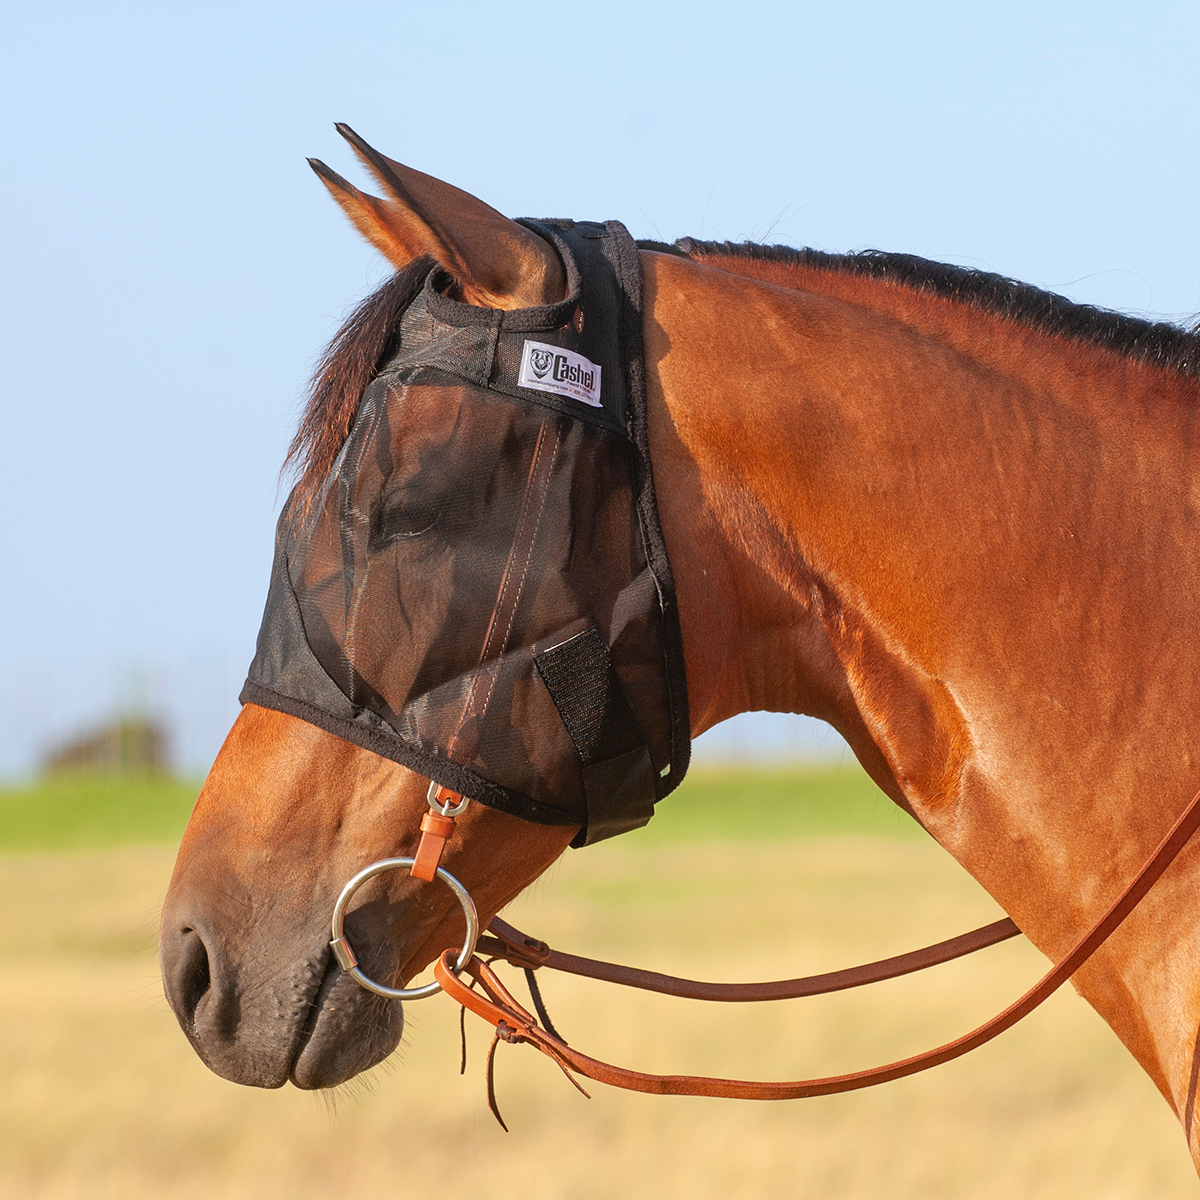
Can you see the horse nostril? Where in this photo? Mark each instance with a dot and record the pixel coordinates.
(190, 976)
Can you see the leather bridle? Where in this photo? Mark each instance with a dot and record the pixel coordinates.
(483, 993)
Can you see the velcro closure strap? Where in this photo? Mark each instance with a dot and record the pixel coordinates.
(618, 775)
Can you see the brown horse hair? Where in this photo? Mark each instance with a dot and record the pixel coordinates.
(1165, 345)
(365, 342)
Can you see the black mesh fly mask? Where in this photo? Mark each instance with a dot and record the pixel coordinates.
(480, 589)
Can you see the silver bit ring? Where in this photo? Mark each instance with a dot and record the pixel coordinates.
(346, 957)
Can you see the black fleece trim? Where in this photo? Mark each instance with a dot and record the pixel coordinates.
(629, 269)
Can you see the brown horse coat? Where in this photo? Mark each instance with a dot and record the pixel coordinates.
(967, 542)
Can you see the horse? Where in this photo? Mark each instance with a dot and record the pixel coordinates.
(954, 516)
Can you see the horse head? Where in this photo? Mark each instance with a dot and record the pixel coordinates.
(420, 589)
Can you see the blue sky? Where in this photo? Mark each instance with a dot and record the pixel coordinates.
(171, 269)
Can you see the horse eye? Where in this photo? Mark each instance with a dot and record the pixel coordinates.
(402, 519)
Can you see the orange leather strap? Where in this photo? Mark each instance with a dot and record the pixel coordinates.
(435, 829)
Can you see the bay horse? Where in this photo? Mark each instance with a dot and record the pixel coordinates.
(956, 517)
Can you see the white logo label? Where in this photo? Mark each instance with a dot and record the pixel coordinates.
(552, 369)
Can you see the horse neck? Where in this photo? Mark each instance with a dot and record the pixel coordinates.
(973, 552)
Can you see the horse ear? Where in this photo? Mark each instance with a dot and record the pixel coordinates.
(495, 262)
(373, 218)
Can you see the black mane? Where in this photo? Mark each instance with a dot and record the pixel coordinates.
(1157, 342)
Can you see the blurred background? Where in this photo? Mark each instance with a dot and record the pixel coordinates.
(170, 272)
(172, 269)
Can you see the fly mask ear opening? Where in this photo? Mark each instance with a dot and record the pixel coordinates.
(618, 776)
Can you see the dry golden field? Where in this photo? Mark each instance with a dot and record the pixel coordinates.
(102, 1098)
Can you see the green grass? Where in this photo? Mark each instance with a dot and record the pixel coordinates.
(755, 804)
(77, 812)
(84, 812)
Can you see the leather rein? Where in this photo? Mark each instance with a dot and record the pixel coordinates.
(487, 997)
(471, 982)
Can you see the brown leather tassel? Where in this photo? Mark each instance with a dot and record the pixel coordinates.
(491, 1080)
(535, 993)
(462, 1033)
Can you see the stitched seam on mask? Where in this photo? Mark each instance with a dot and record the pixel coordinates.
(524, 573)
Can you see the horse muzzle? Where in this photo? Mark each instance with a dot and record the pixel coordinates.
(267, 1002)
